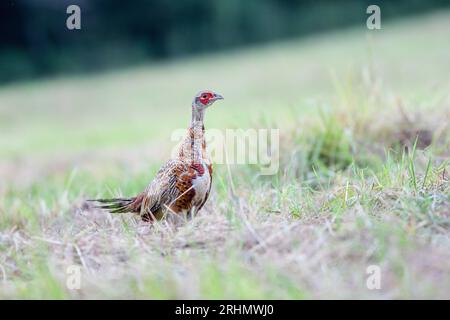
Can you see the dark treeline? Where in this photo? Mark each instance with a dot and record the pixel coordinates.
(34, 40)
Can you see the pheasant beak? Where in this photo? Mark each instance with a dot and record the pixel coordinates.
(217, 96)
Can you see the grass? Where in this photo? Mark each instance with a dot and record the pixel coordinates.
(363, 179)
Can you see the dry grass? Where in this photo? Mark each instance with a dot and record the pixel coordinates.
(285, 242)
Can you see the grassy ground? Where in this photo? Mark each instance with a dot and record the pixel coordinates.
(363, 177)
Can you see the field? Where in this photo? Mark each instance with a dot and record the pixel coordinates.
(363, 179)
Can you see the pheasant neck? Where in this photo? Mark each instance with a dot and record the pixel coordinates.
(197, 135)
(197, 114)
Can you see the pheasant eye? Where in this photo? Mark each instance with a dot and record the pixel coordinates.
(204, 96)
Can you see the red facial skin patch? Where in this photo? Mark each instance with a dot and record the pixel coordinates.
(205, 97)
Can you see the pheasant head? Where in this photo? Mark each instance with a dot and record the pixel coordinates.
(201, 102)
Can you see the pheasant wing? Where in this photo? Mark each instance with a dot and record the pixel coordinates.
(170, 190)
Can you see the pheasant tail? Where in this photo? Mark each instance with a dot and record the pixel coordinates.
(119, 205)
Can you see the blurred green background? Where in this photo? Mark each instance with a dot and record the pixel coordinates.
(34, 40)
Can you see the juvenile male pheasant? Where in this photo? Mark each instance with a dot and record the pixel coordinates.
(182, 185)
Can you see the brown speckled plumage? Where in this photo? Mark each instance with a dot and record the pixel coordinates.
(183, 184)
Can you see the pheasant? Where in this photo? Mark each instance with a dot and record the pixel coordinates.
(182, 185)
